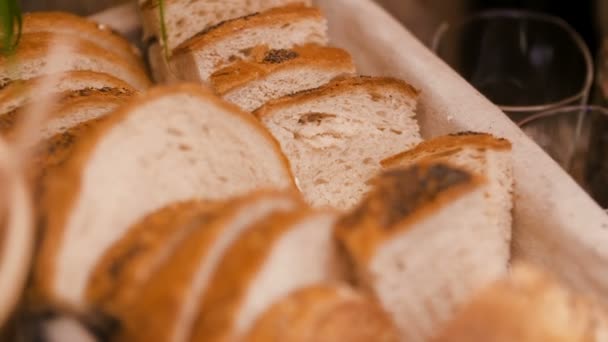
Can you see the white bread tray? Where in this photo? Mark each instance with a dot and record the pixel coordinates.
(556, 223)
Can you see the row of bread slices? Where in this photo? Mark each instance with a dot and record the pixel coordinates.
(333, 126)
(153, 230)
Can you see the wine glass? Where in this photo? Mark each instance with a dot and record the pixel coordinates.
(524, 62)
(577, 138)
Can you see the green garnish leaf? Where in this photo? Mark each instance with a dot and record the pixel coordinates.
(11, 22)
(163, 28)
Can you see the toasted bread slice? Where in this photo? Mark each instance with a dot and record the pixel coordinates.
(527, 306)
(422, 242)
(335, 136)
(20, 92)
(277, 73)
(324, 313)
(82, 28)
(479, 153)
(30, 58)
(172, 144)
(184, 19)
(176, 292)
(279, 28)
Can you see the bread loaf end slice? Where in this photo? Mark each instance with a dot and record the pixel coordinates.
(324, 313)
(527, 306)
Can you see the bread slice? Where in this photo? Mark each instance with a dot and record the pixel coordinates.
(478, 153)
(527, 306)
(422, 243)
(73, 108)
(81, 28)
(16, 233)
(324, 313)
(283, 254)
(134, 260)
(335, 136)
(19, 92)
(140, 160)
(30, 60)
(175, 293)
(184, 19)
(279, 28)
(277, 73)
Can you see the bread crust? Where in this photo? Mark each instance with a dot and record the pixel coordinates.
(22, 89)
(287, 14)
(337, 87)
(35, 46)
(242, 72)
(60, 187)
(527, 306)
(449, 143)
(400, 198)
(164, 297)
(66, 23)
(324, 313)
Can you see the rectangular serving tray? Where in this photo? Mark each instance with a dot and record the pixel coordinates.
(556, 224)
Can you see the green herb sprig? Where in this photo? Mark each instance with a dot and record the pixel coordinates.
(163, 28)
(11, 21)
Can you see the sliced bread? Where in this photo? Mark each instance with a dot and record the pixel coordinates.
(174, 295)
(335, 136)
(277, 73)
(273, 258)
(19, 92)
(172, 144)
(422, 242)
(478, 153)
(30, 60)
(82, 28)
(16, 233)
(73, 108)
(324, 313)
(279, 28)
(528, 306)
(185, 18)
(159, 66)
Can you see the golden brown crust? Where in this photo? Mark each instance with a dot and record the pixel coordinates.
(399, 198)
(68, 23)
(20, 90)
(61, 186)
(448, 144)
(125, 267)
(374, 85)
(323, 313)
(165, 298)
(528, 306)
(69, 102)
(242, 72)
(228, 286)
(286, 14)
(36, 46)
